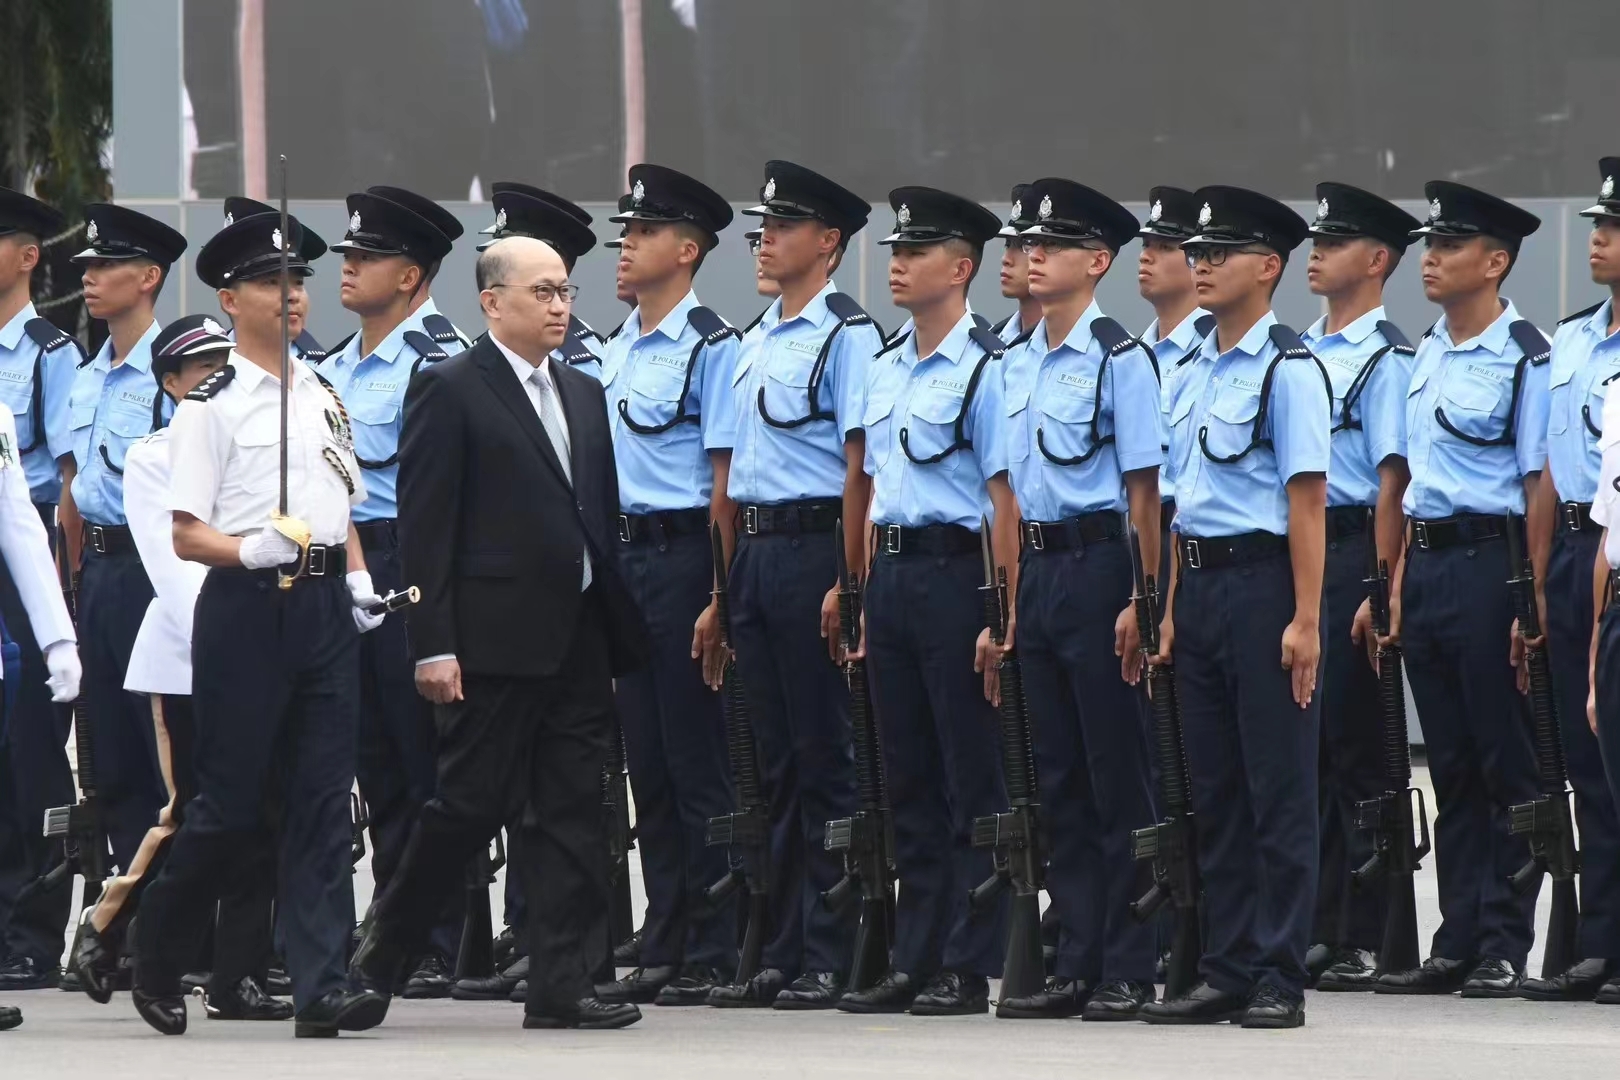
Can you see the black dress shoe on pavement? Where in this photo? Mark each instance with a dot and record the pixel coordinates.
(496, 987)
(1493, 978)
(277, 983)
(165, 1012)
(340, 1010)
(590, 1015)
(951, 993)
(70, 982)
(9, 1017)
(1117, 1000)
(1274, 1007)
(812, 990)
(1203, 1005)
(94, 960)
(520, 992)
(1609, 994)
(1579, 983)
(378, 964)
(246, 1000)
(193, 981)
(505, 948)
(1437, 975)
(1355, 970)
(639, 987)
(431, 979)
(26, 973)
(691, 986)
(891, 994)
(757, 993)
(627, 953)
(1059, 998)
(1318, 958)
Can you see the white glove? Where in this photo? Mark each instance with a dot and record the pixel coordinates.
(364, 594)
(266, 549)
(62, 661)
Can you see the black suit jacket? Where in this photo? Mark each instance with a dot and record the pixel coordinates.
(491, 528)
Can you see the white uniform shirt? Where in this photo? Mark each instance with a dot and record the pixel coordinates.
(1606, 504)
(160, 662)
(226, 455)
(25, 547)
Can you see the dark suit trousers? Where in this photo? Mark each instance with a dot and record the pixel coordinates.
(528, 749)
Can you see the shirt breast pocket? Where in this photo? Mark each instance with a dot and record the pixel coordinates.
(1229, 434)
(787, 385)
(373, 414)
(1065, 429)
(1473, 407)
(124, 427)
(655, 395)
(929, 437)
(257, 446)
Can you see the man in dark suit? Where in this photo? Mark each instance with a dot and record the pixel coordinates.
(507, 494)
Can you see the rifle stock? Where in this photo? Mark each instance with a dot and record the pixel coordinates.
(475, 958)
(621, 840)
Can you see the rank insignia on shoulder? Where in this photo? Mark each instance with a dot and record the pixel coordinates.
(212, 385)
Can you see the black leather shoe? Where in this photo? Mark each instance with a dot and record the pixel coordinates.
(340, 1010)
(590, 1014)
(9, 1017)
(1609, 994)
(1057, 999)
(1274, 1007)
(246, 1001)
(1580, 983)
(1203, 1005)
(520, 992)
(94, 960)
(627, 953)
(26, 973)
(505, 948)
(277, 983)
(192, 981)
(1493, 978)
(1318, 958)
(431, 979)
(165, 1012)
(1437, 975)
(951, 993)
(691, 986)
(1354, 970)
(494, 987)
(891, 994)
(757, 993)
(812, 990)
(70, 982)
(639, 987)
(378, 964)
(1117, 1000)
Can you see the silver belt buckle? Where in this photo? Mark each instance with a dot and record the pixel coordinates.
(98, 539)
(1195, 554)
(891, 539)
(1034, 536)
(751, 520)
(317, 561)
(624, 528)
(1420, 533)
(1572, 517)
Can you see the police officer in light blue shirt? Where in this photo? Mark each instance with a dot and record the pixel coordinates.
(667, 372)
(936, 450)
(390, 252)
(1585, 364)
(1015, 272)
(1476, 423)
(1085, 439)
(796, 470)
(522, 210)
(113, 401)
(1249, 457)
(37, 363)
(1358, 241)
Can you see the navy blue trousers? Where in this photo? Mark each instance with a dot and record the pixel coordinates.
(1351, 757)
(1092, 751)
(396, 768)
(1608, 696)
(1569, 641)
(675, 751)
(113, 596)
(276, 699)
(940, 746)
(1252, 755)
(35, 776)
(1456, 612)
(800, 709)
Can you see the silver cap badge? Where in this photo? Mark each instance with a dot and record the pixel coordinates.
(275, 239)
(230, 219)
(1205, 216)
(1017, 211)
(90, 232)
(354, 221)
(1322, 210)
(1046, 207)
(212, 327)
(1607, 191)
(1157, 212)
(638, 192)
(500, 221)
(1434, 210)
(904, 217)
(770, 189)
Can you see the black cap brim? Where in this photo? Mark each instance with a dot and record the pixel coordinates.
(650, 217)
(113, 254)
(907, 236)
(367, 246)
(1222, 240)
(1602, 210)
(785, 211)
(1442, 228)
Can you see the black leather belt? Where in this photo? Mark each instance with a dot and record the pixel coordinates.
(641, 528)
(327, 561)
(794, 518)
(1576, 517)
(1216, 552)
(1071, 533)
(927, 540)
(374, 534)
(1438, 533)
(108, 539)
(1343, 521)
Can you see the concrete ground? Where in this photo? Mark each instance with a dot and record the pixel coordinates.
(1351, 1035)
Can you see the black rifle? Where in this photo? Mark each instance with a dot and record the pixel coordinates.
(359, 821)
(1392, 817)
(1014, 836)
(747, 831)
(621, 840)
(1171, 845)
(867, 839)
(1546, 821)
(475, 958)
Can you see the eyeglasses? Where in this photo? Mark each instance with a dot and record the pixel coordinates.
(1055, 243)
(1216, 254)
(546, 292)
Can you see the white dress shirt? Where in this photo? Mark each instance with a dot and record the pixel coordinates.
(25, 547)
(160, 662)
